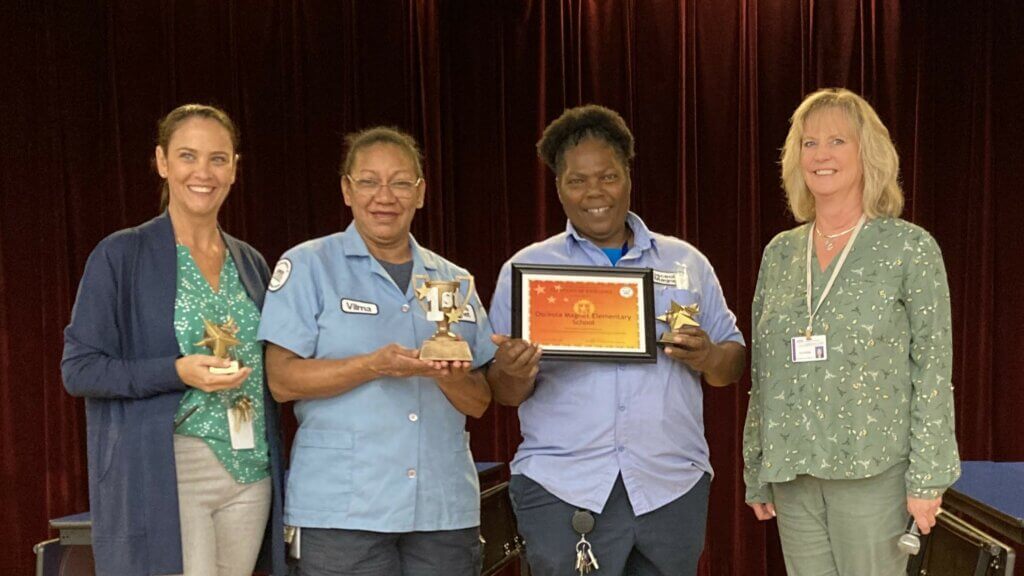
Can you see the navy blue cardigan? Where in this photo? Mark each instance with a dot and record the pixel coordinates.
(119, 353)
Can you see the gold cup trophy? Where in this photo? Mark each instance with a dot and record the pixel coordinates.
(443, 303)
(677, 317)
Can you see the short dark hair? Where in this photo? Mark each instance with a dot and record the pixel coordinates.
(381, 135)
(168, 125)
(582, 122)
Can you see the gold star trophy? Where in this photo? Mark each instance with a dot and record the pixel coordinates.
(677, 317)
(441, 300)
(220, 339)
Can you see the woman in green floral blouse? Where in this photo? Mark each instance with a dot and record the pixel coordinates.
(849, 430)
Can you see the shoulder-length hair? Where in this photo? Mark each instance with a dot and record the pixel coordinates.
(882, 195)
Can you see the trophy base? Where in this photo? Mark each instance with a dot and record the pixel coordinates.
(446, 350)
(233, 369)
(666, 339)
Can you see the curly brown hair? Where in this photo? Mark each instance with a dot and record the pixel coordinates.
(582, 122)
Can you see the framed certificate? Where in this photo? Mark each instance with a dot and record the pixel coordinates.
(586, 313)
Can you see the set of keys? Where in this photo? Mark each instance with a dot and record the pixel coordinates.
(583, 524)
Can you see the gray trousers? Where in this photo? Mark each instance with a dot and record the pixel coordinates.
(222, 521)
(333, 552)
(843, 527)
(665, 542)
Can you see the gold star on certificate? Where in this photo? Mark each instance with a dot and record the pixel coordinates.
(220, 338)
(679, 316)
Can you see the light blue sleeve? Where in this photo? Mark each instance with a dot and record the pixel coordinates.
(501, 302)
(293, 304)
(715, 316)
(483, 348)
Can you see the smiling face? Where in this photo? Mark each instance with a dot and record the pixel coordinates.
(199, 166)
(594, 190)
(382, 218)
(830, 157)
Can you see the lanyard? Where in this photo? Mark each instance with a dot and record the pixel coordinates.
(835, 272)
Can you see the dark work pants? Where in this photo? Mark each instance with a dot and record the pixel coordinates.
(665, 542)
(327, 552)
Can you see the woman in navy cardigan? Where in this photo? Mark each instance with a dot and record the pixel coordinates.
(173, 487)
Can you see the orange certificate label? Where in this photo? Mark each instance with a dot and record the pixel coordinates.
(592, 314)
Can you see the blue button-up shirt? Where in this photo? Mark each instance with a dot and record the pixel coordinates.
(587, 422)
(391, 455)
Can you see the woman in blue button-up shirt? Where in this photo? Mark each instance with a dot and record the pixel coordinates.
(382, 480)
(623, 441)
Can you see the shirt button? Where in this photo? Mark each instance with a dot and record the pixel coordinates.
(413, 417)
(622, 407)
(411, 473)
(622, 448)
(405, 307)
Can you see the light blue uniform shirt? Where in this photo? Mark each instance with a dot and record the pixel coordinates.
(391, 455)
(587, 422)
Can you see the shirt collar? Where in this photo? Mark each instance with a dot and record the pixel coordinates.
(423, 261)
(642, 238)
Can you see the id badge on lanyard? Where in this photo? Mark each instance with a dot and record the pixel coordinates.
(810, 347)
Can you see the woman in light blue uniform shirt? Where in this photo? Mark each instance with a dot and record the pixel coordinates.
(382, 481)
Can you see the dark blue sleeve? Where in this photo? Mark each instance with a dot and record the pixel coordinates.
(94, 363)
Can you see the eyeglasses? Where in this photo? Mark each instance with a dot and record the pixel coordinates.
(403, 189)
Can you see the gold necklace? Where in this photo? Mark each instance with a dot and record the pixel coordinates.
(828, 238)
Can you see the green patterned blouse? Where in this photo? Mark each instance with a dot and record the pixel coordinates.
(194, 301)
(883, 395)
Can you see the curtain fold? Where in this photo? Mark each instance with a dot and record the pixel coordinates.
(707, 87)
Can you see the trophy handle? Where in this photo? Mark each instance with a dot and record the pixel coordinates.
(469, 293)
(417, 281)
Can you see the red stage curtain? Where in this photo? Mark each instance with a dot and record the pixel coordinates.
(706, 85)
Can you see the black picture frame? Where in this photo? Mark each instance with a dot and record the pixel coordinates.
(646, 350)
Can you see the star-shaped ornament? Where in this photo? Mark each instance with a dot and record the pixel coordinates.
(422, 292)
(454, 315)
(679, 316)
(220, 338)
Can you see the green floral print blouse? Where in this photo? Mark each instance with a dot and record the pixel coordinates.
(205, 414)
(883, 395)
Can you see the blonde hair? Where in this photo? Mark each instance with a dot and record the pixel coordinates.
(880, 163)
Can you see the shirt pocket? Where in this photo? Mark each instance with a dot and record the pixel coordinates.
(321, 470)
(783, 312)
(664, 296)
(352, 325)
(460, 475)
(870, 315)
(871, 299)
